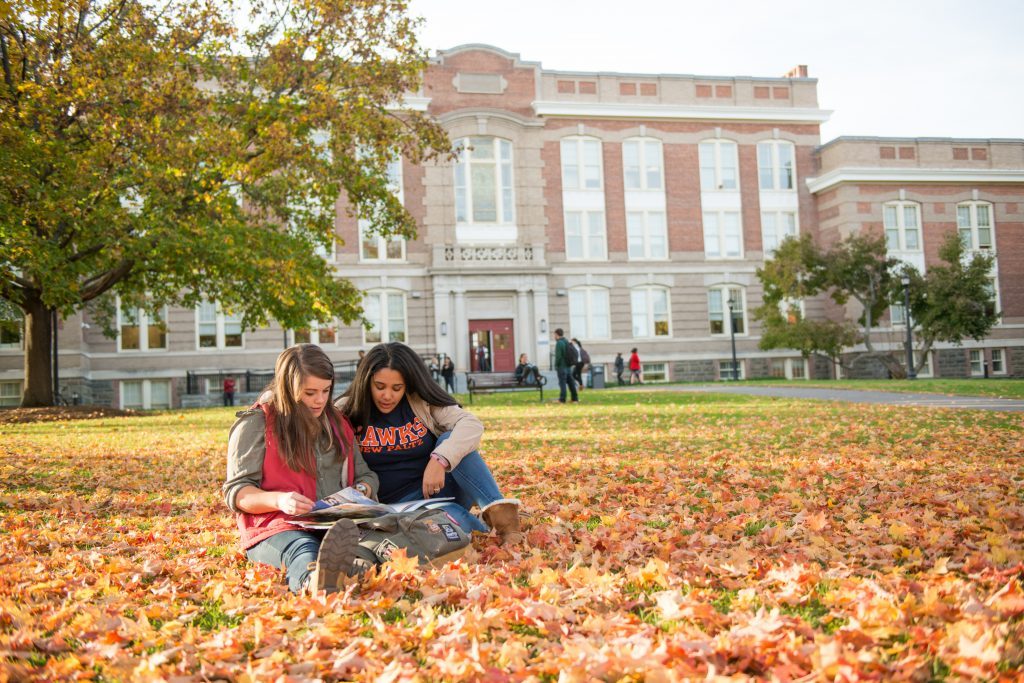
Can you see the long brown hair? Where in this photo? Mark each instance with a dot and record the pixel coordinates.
(296, 428)
(394, 356)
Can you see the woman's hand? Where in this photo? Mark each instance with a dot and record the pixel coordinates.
(433, 478)
(292, 503)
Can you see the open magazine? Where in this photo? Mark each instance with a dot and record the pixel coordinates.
(351, 503)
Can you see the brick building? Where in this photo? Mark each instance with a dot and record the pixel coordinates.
(628, 209)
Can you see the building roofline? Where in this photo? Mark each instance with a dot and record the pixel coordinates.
(874, 138)
(466, 47)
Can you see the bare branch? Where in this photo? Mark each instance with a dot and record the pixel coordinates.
(99, 284)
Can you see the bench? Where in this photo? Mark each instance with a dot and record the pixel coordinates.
(490, 382)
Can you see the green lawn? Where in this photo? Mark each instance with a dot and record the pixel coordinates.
(993, 388)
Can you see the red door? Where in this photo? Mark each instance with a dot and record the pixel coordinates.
(491, 346)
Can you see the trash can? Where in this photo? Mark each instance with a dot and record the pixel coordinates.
(597, 377)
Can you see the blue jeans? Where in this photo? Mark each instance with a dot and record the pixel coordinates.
(293, 550)
(469, 483)
(565, 378)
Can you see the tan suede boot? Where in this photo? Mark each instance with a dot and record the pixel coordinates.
(503, 516)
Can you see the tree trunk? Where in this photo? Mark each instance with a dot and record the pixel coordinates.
(38, 357)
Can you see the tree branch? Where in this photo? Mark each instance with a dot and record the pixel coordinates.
(95, 286)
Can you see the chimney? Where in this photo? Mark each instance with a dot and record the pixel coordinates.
(798, 71)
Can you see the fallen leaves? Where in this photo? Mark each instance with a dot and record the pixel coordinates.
(669, 537)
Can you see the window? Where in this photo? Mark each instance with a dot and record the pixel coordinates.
(141, 331)
(974, 221)
(642, 164)
(10, 333)
(775, 166)
(998, 362)
(785, 368)
(977, 358)
(646, 235)
(483, 181)
(719, 299)
(650, 312)
(375, 247)
(10, 394)
(775, 227)
(321, 334)
(216, 329)
(902, 226)
(581, 163)
(385, 310)
(589, 316)
(992, 302)
(898, 314)
(718, 165)
(653, 372)
(585, 236)
(146, 394)
(723, 236)
(726, 371)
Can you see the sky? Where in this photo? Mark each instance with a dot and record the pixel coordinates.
(897, 68)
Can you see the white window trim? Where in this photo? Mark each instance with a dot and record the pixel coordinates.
(725, 369)
(314, 335)
(588, 315)
(648, 370)
(147, 392)
(641, 143)
(972, 206)
(722, 256)
(396, 182)
(221, 319)
(142, 320)
(584, 233)
(647, 233)
(980, 372)
(20, 344)
(901, 226)
(579, 141)
(500, 182)
(993, 371)
(385, 332)
(718, 144)
(779, 237)
(726, 317)
(12, 400)
(650, 311)
(776, 166)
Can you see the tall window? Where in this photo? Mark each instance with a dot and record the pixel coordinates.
(483, 181)
(775, 165)
(10, 394)
(719, 318)
(216, 329)
(141, 331)
(998, 362)
(385, 310)
(642, 164)
(977, 358)
(10, 332)
(650, 312)
(581, 163)
(974, 221)
(375, 247)
(646, 235)
(719, 165)
(146, 394)
(775, 227)
(902, 226)
(585, 236)
(589, 316)
(723, 236)
(321, 334)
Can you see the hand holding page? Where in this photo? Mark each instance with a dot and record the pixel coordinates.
(350, 503)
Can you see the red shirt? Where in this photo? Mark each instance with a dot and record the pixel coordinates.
(634, 362)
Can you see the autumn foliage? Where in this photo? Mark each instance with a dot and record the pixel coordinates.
(670, 537)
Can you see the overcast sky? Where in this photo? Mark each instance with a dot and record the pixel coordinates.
(938, 68)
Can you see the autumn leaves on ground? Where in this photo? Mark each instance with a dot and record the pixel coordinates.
(670, 537)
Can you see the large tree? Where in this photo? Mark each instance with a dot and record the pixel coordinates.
(155, 151)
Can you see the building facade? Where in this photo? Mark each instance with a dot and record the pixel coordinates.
(631, 210)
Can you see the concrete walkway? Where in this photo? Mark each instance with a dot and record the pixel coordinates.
(851, 396)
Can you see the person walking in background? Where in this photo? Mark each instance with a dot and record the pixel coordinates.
(620, 367)
(229, 391)
(563, 368)
(577, 367)
(634, 368)
(448, 373)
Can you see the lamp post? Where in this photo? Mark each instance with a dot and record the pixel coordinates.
(732, 334)
(905, 281)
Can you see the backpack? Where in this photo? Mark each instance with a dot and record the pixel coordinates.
(571, 357)
(429, 534)
(586, 357)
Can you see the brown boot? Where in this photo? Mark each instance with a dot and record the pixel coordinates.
(503, 516)
(337, 558)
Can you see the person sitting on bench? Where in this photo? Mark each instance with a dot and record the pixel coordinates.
(526, 372)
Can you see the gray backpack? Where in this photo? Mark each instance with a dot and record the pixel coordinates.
(429, 534)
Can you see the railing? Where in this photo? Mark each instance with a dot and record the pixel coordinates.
(250, 381)
(488, 256)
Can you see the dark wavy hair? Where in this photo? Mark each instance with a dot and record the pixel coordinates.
(392, 356)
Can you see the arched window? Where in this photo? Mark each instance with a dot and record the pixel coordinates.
(727, 310)
(385, 310)
(581, 163)
(373, 247)
(650, 307)
(974, 221)
(776, 165)
(643, 167)
(902, 222)
(719, 165)
(589, 313)
(483, 181)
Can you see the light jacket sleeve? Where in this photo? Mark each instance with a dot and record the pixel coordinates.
(466, 431)
(247, 448)
(363, 472)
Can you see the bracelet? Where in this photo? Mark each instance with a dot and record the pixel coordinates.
(442, 460)
(363, 488)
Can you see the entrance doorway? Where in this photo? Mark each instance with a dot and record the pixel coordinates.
(491, 346)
